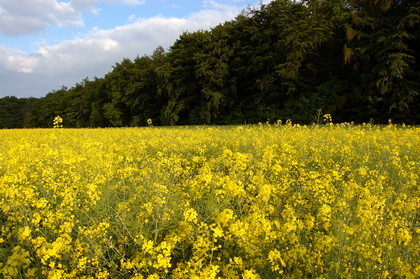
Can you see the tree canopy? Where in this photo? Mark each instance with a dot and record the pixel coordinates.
(357, 60)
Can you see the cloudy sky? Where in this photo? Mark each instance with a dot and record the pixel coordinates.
(47, 44)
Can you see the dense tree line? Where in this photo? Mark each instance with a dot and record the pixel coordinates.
(357, 60)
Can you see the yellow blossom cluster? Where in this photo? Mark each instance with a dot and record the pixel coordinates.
(254, 201)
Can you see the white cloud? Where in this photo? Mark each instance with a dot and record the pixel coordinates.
(25, 17)
(133, 2)
(17, 61)
(216, 5)
(131, 18)
(128, 2)
(94, 54)
(85, 5)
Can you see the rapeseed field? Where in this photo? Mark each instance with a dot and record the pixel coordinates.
(258, 201)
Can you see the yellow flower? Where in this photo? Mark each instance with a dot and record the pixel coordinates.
(404, 236)
(190, 215)
(217, 231)
(276, 260)
(24, 233)
(250, 274)
(58, 122)
(210, 202)
(225, 216)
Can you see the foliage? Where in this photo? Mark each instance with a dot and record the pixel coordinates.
(14, 112)
(383, 43)
(355, 59)
(254, 201)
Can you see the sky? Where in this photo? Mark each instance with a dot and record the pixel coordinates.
(48, 44)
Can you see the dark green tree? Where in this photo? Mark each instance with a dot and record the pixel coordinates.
(215, 73)
(117, 110)
(355, 59)
(132, 91)
(13, 112)
(96, 89)
(78, 106)
(276, 64)
(383, 47)
(45, 109)
(178, 83)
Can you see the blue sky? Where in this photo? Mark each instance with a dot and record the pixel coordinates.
(47, 44)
